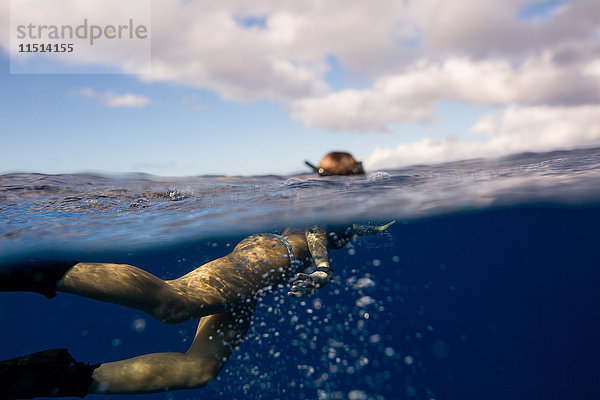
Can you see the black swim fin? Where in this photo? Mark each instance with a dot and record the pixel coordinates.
(33, 275)
(48, 373)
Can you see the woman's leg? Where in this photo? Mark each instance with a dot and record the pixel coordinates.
(216, 338)
(133, 287)
(54, 373)
(252, 269)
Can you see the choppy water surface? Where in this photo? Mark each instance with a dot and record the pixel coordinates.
(125, 211)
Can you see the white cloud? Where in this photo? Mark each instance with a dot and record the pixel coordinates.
(512, 130)
(411, 96)
(475, 53)
(111, 99)
(494, 27)
(203, 44)
(284, 60)
(540, 128)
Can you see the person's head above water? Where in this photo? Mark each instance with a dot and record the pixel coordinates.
(338, 163)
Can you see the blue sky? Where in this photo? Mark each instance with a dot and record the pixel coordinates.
(47, 128)
(259, 90)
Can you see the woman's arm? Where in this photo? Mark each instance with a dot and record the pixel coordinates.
(307, 284)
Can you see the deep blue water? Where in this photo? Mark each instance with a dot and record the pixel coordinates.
(487, 287)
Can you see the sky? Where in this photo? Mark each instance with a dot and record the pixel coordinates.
(233, 88)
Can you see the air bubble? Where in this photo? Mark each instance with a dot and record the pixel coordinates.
(364, 301)
(357, 395)
(363, 283)
(138, 325)
(375, 338)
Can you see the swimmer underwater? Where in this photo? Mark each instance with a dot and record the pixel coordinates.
(223, 293)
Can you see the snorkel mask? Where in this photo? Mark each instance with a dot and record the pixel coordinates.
(357, 169)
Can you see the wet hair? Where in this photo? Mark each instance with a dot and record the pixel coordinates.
(340, 163)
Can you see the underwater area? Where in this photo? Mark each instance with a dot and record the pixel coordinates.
(486, 287)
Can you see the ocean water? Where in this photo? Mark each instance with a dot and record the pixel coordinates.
(486, 287)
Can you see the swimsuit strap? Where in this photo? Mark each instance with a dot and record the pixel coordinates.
(288, 247)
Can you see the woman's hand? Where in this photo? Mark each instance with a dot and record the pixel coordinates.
(304, 285)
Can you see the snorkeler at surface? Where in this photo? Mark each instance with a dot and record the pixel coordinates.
(222, 293)
(338, 163)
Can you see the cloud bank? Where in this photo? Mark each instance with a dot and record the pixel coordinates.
(512, 130)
